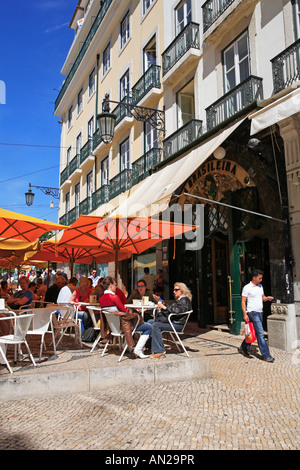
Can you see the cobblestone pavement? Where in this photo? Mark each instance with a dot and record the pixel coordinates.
(246, 404)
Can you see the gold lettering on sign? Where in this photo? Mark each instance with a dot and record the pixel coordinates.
(215, 177)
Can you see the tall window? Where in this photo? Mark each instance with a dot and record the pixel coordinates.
(296, 6)
(106, 60)
(77, 199)
(236, 63)
(70, 117)
(79, 102)
(92, 82)
(69, 155)
(146, 5)
(124, 85)
(78, 143)
(89, 188)
(91, 127)
(67, 200)
(124, 155)
(150, 54)
(105, 171)
(151, 137)
(185, 104)
(183, 15)
(124, 30)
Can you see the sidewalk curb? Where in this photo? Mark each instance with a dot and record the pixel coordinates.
(150, 371)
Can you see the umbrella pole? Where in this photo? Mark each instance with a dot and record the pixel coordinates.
(116, 266)
(48, 275)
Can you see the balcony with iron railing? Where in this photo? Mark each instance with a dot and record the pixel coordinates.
(120, 183)
(212, 10)
(188, 40)
(221, 16)
(148, 81)
(235, 101)
(100, 196)
(182, 138)
(286, 67)
(69, 217)
(141, 168)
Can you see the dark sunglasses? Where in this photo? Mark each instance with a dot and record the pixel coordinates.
(175, 290)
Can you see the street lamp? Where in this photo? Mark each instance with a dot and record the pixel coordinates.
(29, 196)
(106, 120)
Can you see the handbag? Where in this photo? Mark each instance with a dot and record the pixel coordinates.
(250, 335)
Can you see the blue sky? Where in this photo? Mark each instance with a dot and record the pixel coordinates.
(34, 42)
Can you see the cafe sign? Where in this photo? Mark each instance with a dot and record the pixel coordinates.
(216, 177)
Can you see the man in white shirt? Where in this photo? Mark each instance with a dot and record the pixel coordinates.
(252, 306)
(66, 291)
(94, 278)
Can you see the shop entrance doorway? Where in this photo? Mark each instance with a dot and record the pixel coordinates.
(220, 272)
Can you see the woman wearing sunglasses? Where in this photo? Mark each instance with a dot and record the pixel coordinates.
(183, 299)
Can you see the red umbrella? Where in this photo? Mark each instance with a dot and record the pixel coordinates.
(120, 236)
(61, 253)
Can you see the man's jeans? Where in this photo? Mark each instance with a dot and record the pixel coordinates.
(256, 319)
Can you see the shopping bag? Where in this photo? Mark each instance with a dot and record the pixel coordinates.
(250, 335)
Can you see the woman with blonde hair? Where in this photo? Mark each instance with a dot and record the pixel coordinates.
(82, 294)
(183, 303)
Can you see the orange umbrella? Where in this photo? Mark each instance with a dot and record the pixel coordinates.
(61, 253)
(120, 236)
(23, 227)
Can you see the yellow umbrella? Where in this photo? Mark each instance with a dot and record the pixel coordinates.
(24, 227)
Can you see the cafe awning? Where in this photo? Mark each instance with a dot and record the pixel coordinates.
(154, 194)
(275, 112)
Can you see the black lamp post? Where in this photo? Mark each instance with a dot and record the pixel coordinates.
(106, 120)
(29, 196)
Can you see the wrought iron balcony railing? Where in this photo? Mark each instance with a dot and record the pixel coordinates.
(69, 217)
(86, 150)
(141, 167)
(150, 79)
(212, 9)
(234, 101)
(188, 38)
(180, 139)
(101, 196)
(286, 67)
(120, 183)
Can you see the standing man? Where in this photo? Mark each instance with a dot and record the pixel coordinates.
(252, 306)
(94, 277)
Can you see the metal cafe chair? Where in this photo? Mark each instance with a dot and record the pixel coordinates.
(177, 333)
(17, 338)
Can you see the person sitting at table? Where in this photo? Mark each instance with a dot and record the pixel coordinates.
(66, 292)
(111, 302)
(183, 299)
(98, 289)
(82, 294)
(138, 294)
(22, 297)
(53, 291)
(5, 291)
(41, 288)
(33, 287)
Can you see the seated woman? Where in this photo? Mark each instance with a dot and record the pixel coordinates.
(21, 298)
(5, 291)
(183, 298)
(111, 301)
(82, 294)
